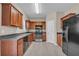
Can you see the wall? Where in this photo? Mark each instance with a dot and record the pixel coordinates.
(9, 29)
(59, 15)
(51, 30)
(24, 17)
(74, 9)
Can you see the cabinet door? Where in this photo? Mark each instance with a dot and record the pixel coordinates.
(0, 47)
(6, 14)
(44, 36)
(27, 24)
(20, 47)
(19, 20)
(14, 16)
(59, 39)
(30, 38)
(8, 47)
(33, 36)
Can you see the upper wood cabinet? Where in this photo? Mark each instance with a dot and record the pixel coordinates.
(14, 16)
(20, 20)
(11, 16)
(31, 24)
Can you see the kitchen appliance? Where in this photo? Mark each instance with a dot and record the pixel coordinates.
(70, 44)
(38, 32)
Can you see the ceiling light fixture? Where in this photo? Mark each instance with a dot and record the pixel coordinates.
(37, 8)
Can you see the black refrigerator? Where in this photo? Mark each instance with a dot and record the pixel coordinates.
(70, 44)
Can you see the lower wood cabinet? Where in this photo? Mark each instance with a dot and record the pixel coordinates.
(30, 38)
(12, 47)
(59, 39)
(33, 36)
(0, 47)
(8, 47)
(20, 47)
(44, 36)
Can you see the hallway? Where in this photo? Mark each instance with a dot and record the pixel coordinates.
(43, 49)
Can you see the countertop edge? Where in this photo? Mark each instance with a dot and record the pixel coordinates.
(15, 37)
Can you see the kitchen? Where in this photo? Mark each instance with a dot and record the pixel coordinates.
(20, 28)
(14, 39)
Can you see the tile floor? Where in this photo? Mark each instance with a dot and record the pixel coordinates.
(44, 49)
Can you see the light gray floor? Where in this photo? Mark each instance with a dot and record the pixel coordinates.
(43, 49)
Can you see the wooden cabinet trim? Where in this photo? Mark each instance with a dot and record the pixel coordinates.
(68, 16)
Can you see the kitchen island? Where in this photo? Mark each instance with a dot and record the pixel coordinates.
(13, 45)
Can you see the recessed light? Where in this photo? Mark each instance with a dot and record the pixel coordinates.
(37, 8)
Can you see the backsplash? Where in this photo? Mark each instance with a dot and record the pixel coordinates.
(9, 30)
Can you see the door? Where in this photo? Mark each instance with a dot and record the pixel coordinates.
(65, 41)
(20, 47)
(14, 16)
(71, 37)
(19, 22)
(73, 40)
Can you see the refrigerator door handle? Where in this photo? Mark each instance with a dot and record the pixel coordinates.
(66, 33)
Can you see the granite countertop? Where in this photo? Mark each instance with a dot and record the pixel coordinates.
(14, 36)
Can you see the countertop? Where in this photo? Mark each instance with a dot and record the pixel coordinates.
(14, 36)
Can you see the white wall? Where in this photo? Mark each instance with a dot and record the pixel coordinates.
(74, 9)
(51, 30)
(59, 15)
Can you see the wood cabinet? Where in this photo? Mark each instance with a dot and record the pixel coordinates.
(28, 24)
(59, 39)
(30, 38)
(11, 16)
(44, 36)
(32, 24)
(67, 16)
(8, 48)
(20, 47)
(0, 47)
(14, 16)
(12, 47)
(33, 36)
(19, 23)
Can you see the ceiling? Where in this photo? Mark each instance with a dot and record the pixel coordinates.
(44, 8)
